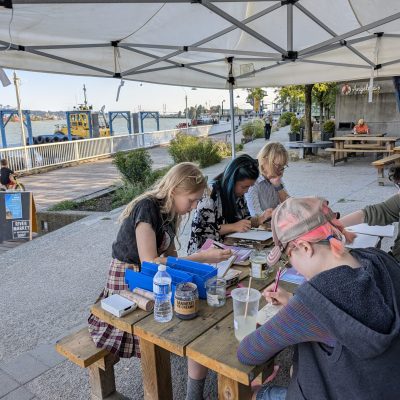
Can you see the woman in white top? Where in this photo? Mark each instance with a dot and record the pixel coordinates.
(268, 191)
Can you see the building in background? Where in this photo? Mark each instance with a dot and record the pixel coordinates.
(382, 115)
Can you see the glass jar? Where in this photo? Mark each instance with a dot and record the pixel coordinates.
(216, 292)
(186, 300)
(259, 266)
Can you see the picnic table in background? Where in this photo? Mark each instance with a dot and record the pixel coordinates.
(360, 144)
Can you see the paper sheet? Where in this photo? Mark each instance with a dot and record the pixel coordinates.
(223, 266)
(267, 312)
(375, 230)
(258, 235)
(363, 241)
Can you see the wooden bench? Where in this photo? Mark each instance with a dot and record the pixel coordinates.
(382, 163)
(344, 152)
(81, 350)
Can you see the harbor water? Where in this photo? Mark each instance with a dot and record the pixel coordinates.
(13, 129)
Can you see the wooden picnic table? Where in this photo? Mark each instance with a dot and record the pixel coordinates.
(211, 329)
(360, 144)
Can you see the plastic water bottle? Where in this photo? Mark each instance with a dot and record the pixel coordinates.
(162, 290)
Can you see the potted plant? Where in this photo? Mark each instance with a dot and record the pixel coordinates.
(294, 133)
(328, 130)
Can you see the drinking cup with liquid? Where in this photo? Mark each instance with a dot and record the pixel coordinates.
(245, 322)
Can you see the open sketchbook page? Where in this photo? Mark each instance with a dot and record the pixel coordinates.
(223, 266)
(375, 230)
(257, 235)
(242, 253)
(267, 312)
(363, 241)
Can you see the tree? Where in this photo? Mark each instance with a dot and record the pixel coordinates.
(254, 97)
(307, 111)
(291, 97)
(324, 94)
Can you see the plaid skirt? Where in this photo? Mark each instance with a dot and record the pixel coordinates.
(107, 336)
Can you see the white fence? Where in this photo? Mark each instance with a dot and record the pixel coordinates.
(44, 155)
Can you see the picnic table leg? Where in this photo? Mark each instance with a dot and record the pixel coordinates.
(102, 378)
(229, 389)
(156, 371)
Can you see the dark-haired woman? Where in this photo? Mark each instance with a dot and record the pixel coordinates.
(225, 210)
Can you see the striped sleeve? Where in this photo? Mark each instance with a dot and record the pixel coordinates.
(293, 324)
(253, 202)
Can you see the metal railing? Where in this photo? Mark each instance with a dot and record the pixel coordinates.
(22, 159)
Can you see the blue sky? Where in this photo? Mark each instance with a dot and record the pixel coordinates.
(54, 92)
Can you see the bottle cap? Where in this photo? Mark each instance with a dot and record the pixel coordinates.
(162, 267)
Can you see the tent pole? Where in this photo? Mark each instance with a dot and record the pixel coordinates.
(232, 113)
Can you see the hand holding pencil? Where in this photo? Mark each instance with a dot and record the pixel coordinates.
(276, 295)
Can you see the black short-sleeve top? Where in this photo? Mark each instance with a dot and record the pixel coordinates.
(146, 210)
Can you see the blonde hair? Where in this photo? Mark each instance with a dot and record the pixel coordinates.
(185, 177)
(270, 153)
(360, 121)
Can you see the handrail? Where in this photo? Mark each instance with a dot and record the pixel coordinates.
(38, 156)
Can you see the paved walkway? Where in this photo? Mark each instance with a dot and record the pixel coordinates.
(48, 285)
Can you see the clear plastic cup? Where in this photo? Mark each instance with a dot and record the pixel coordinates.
(245, 325)
(216, 292)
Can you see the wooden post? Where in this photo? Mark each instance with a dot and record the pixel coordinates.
(102, 378)
(228, 389)
(156, 371)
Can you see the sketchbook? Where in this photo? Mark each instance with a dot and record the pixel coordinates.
(363, 241)
(242, 253)
(374, 230)
(256, 235)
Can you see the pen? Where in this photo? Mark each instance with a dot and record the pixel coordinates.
(218, 245)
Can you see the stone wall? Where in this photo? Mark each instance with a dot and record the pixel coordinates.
(382, 115)
(49, 221)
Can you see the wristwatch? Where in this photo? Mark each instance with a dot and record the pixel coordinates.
(279, 187)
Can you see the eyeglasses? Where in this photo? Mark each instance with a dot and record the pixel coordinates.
(280, 167)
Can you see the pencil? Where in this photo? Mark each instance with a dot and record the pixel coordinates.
(278, 277)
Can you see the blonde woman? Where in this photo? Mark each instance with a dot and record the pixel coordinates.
(268, 191)
(149, 225)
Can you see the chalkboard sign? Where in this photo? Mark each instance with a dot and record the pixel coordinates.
(16, 216)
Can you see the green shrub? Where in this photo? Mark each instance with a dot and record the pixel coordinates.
(255, 128)
(207, 153)
(286, 118)
(183, 148)
(127, 193)
(64, 205)
(329, 126)
(134, 165)
(295, 125)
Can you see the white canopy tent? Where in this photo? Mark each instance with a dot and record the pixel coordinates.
(202, 43)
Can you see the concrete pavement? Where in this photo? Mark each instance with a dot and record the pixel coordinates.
(48, 285)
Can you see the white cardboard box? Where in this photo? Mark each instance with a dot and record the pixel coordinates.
(118, 305)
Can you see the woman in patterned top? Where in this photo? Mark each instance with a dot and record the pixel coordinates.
(148, 227)
(225, 210)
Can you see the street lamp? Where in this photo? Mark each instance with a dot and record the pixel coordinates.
(222, 109)
(186, 106)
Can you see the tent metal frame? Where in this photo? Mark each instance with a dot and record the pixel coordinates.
(275, 59)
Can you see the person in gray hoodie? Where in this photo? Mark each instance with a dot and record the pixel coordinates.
(344, 320)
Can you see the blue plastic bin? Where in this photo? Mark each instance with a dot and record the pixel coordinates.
(200, 272)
